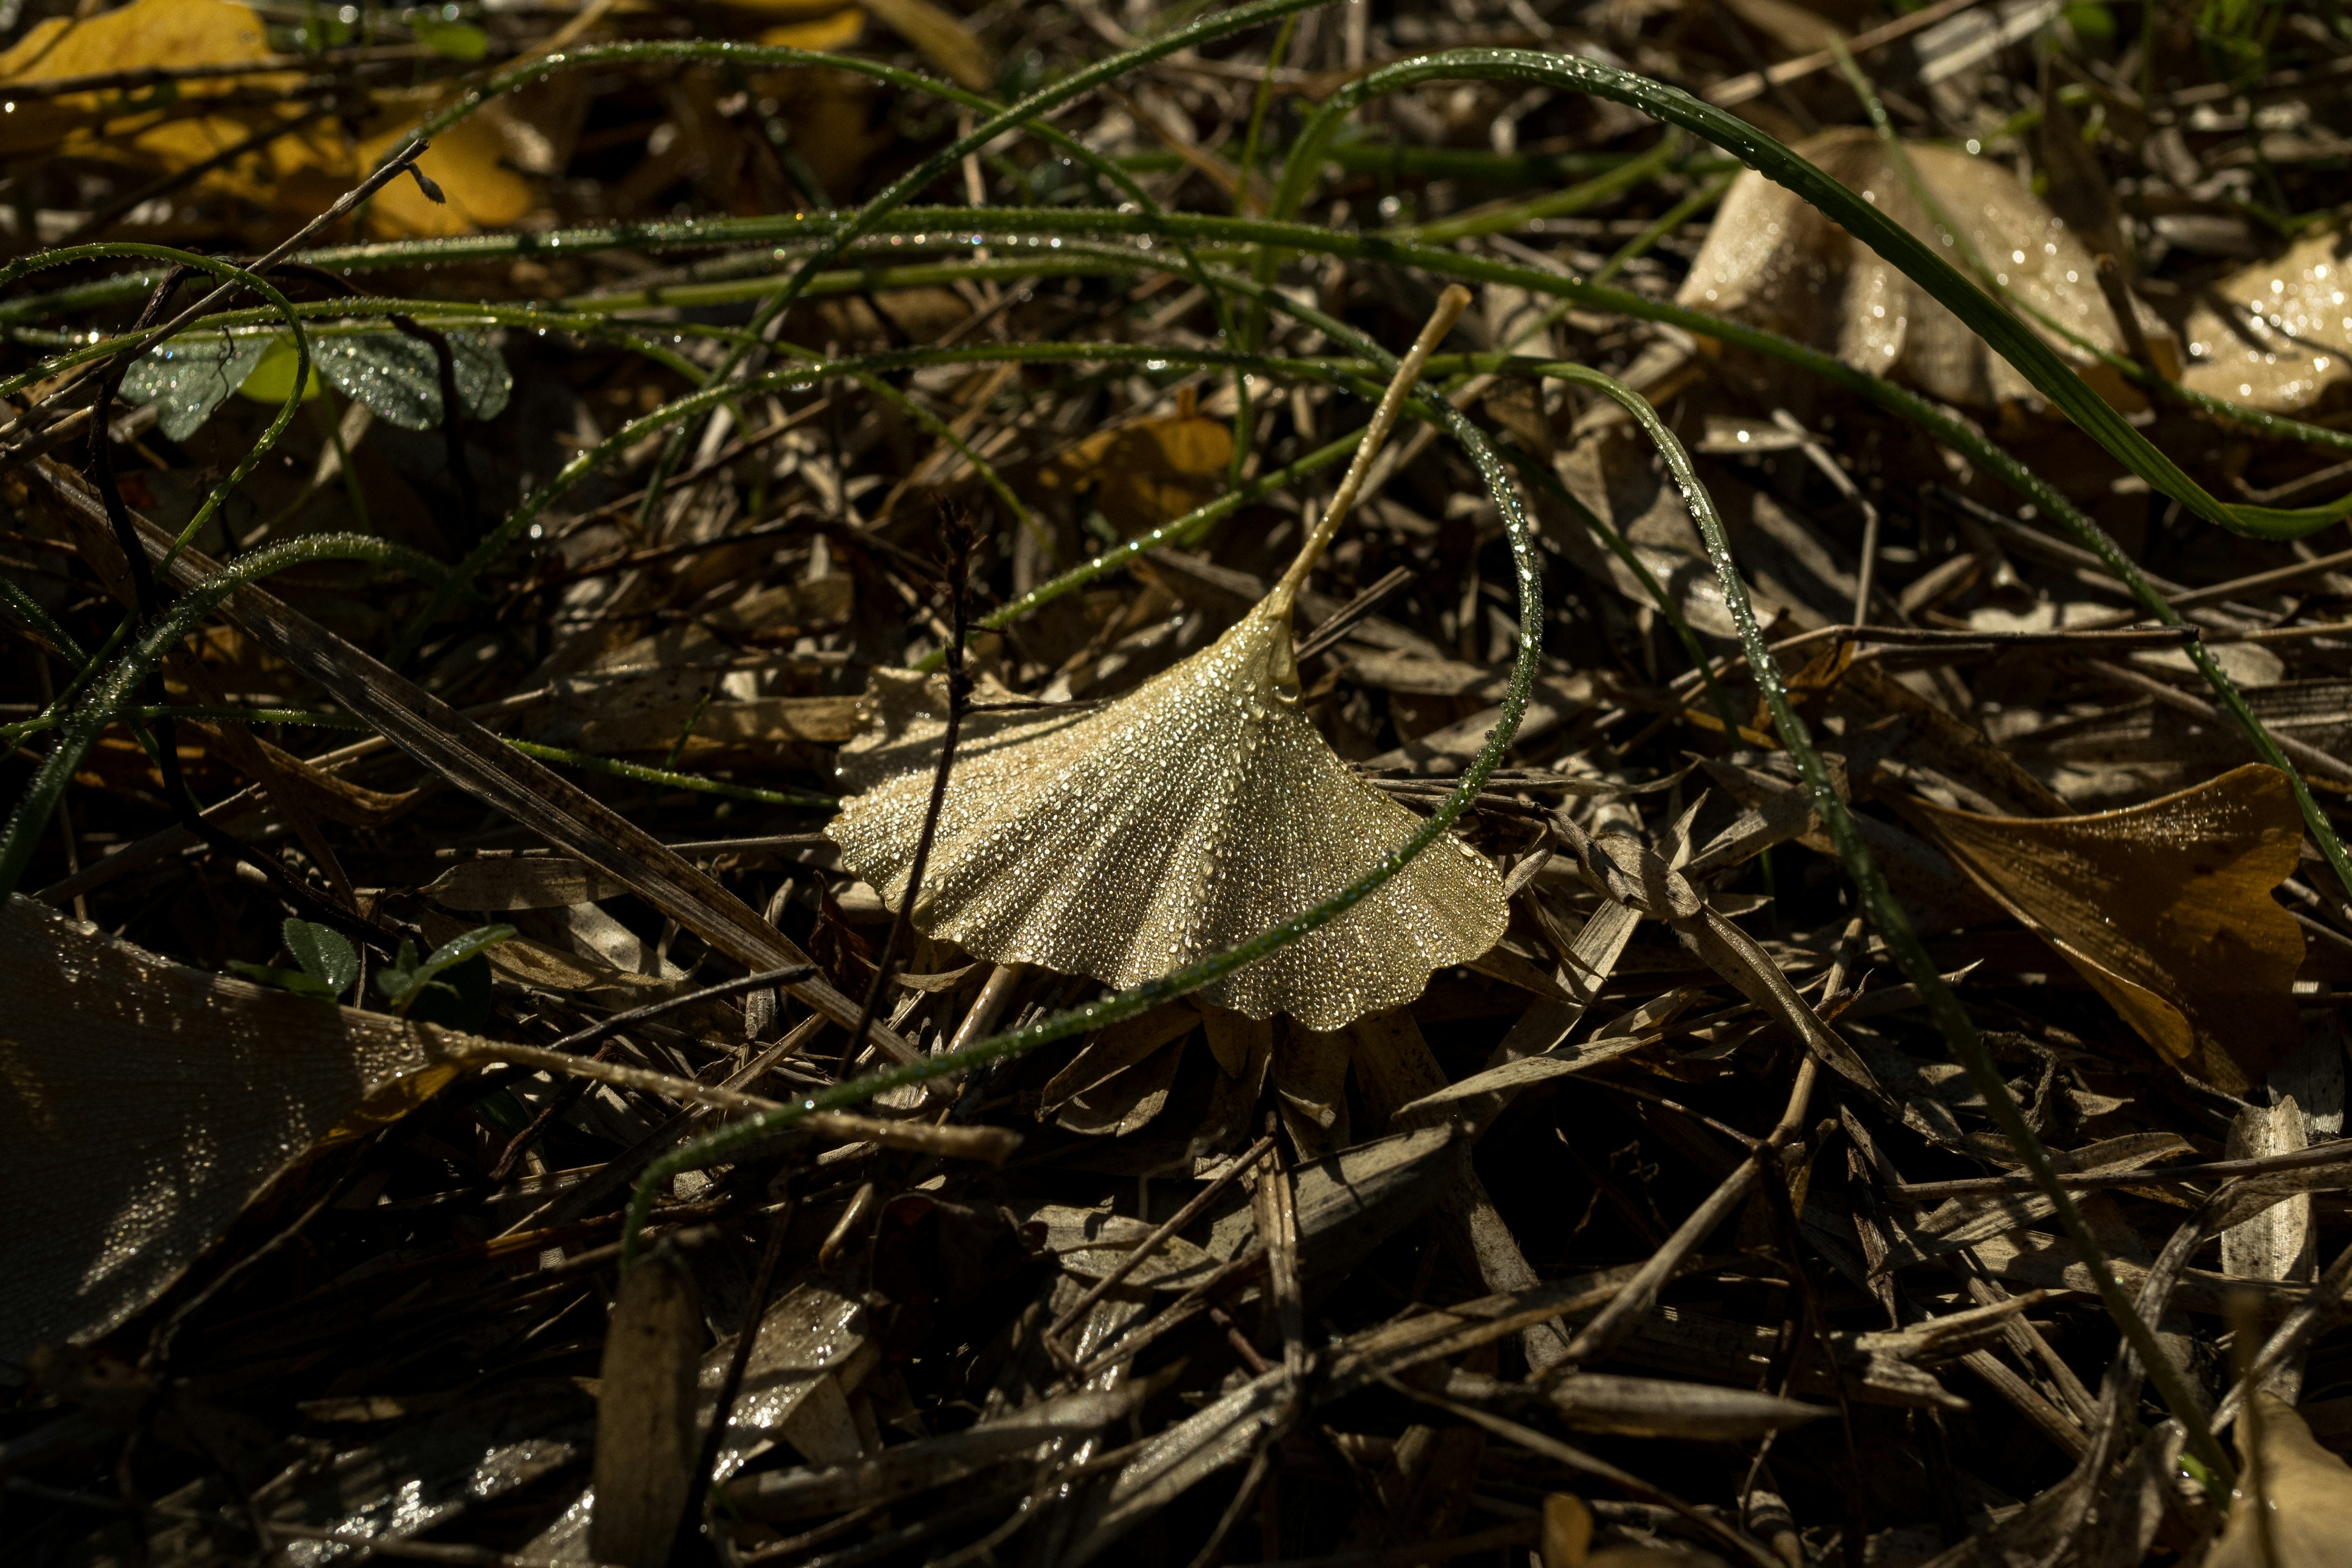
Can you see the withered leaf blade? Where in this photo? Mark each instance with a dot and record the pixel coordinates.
(142, 1104)
(2165, 908)
(1187, 817)
(646, 1426)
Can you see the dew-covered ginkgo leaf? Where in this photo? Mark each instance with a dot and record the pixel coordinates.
(144, 1103)
(2165, 908)
(2277, 335)
(1182, 819)
(1772, 261)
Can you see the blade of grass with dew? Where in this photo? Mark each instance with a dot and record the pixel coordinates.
(110, 691)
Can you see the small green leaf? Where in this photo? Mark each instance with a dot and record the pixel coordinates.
(400, 377)
(408, 979)
(323, 953)
(455, 40)
(190, 376)
(293, 980)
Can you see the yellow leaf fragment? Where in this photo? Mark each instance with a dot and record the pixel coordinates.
(1774, 261)
(2165, 908)
(1148, 473)
(834, 31)
(936, 33)
(940, 36)
(2275, 336)
(2305, 1490)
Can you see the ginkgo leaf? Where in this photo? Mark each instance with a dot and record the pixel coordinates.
(143, 1104)
(191, 374)
(2276, 335)
(1772, 261)
(1183, 819)
(2165, 908)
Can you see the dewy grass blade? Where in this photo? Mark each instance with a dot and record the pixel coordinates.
(108, 695)
(1917, 963)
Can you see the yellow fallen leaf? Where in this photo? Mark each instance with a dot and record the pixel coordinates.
(2165, 908)
(301, 172)
(837, 30)
(464, 161)
(2276, 335)
(937, 34)
(2305, 1490)
(145, 33)
(1772, 261)
(1147, 473)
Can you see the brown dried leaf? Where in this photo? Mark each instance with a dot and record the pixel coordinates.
(2165, 908)
(144, 1104)
(1774, 261)
(2308, 1491)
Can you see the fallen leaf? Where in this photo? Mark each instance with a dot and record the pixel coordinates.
(938, 35)
(2305, 1490)
(646, 1418)
(2276, 335)
(2165, 908)
(1187, 816)
(144, 1104)
(1772, 261)
(1148, 473)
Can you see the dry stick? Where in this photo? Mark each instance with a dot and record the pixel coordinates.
(1149, 1245)
(1740, 89)
(958, 540)
(2337, 1152)
(511, 1155)
(1343, 620)
(992, 1144)
(1185, 1308)
(1622, 1315)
